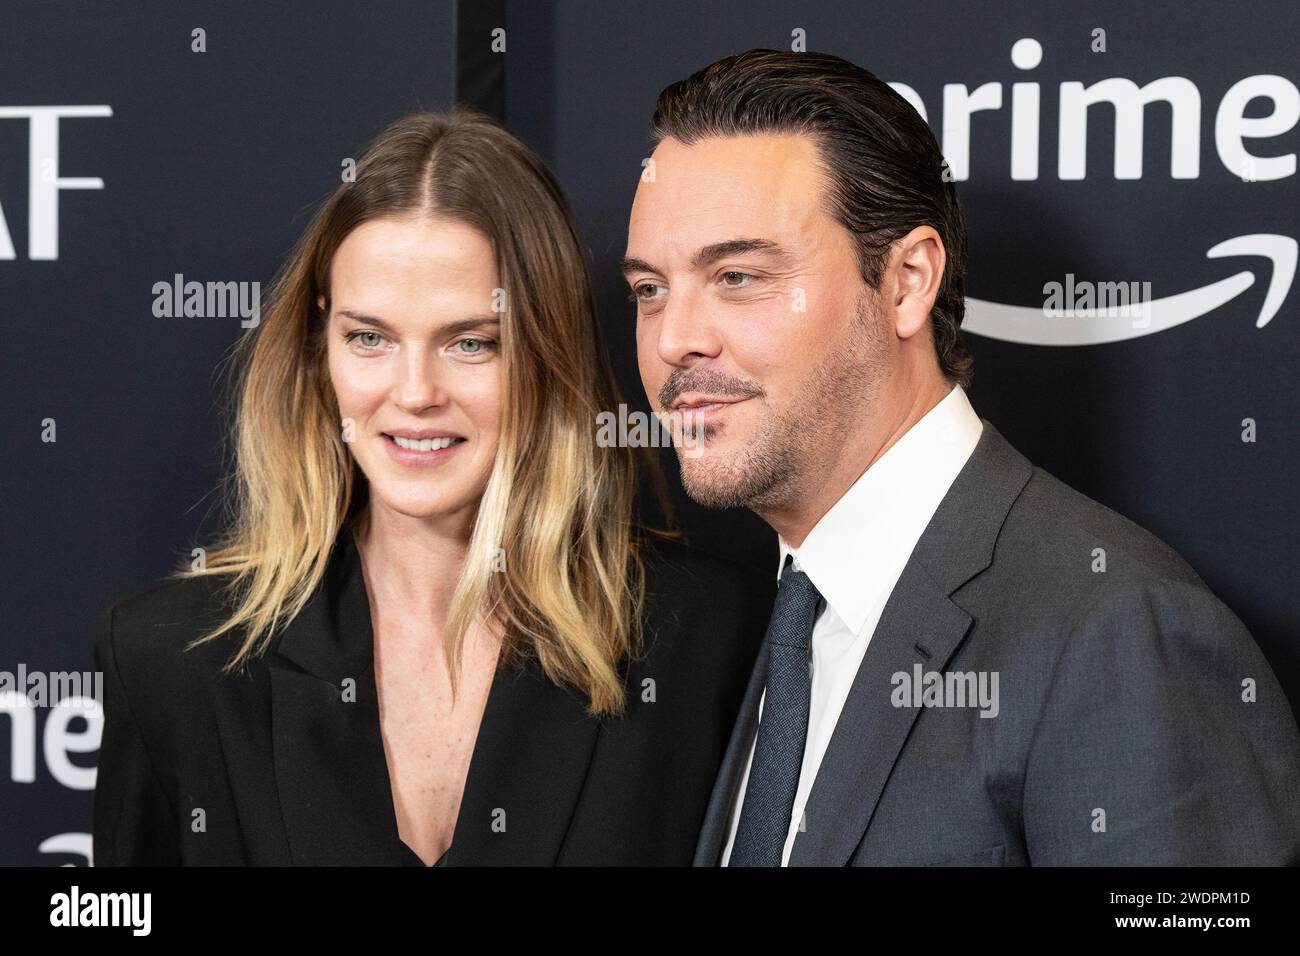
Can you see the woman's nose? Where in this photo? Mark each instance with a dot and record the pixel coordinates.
(419, 384)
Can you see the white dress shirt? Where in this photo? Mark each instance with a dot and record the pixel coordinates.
(854, 556)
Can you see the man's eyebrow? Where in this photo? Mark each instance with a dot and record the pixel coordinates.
(632, 264)
(713, 252)
(737, 247)
(472, 324)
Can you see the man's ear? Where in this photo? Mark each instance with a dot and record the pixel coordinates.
(917, 262)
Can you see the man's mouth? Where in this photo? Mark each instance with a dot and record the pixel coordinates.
(705, 403)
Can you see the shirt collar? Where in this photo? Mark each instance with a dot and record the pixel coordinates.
(869, 533)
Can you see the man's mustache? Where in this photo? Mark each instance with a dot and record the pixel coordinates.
(708, 381)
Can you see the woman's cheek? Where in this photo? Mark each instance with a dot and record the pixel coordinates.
(355, 389)
(484, 400)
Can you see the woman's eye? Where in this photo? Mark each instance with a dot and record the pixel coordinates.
(368, 340)
(474, 346)
(727, 278)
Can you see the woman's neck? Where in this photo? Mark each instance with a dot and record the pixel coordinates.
(409, 563)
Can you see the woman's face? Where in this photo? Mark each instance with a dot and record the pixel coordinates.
(415, 360)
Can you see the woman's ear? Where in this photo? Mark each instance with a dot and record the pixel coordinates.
(320, 303)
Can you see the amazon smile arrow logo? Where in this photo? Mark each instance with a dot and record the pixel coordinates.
(1115, 323)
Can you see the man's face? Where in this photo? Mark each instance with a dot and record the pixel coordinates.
(752, 316)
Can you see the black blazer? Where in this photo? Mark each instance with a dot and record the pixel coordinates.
(274, 767)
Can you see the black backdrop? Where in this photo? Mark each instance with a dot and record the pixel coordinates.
(212, 161)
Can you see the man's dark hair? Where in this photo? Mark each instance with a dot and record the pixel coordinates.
(885, 170)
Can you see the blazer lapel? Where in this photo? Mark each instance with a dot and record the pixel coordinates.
(330, 768)
(920, 624)
(713, 835)
(529, 763)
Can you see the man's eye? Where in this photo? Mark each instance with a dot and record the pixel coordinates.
(729, 277)
(647, 290)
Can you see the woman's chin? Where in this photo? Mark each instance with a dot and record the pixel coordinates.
(423, 507)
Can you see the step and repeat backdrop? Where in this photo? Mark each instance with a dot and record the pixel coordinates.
(1129, 176)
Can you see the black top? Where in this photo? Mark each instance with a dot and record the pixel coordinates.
(284, 764)
(411, 858)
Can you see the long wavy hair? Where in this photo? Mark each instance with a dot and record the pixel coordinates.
(560, 507)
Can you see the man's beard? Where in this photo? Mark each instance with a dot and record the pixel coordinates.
(790, 453)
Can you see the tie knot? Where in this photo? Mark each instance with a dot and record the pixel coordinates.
(795, 609)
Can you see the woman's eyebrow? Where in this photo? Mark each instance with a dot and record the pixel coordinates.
(363, 318)
(472, 324)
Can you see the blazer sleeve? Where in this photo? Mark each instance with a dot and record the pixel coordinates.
(1164, 739)
(134, 821)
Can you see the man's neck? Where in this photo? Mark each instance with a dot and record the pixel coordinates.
(892, 420)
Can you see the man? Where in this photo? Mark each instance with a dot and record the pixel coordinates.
(968, 662)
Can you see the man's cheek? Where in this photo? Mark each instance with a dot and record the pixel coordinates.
(652, 379)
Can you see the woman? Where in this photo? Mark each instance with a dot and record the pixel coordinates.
(432, 633)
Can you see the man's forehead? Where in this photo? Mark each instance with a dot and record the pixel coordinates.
(719, 188)
(758, 163)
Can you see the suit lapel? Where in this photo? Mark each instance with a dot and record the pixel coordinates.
(920, 624)
(713, 836)
(530, 758)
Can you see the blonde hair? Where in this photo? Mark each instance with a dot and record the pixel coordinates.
(572, 591)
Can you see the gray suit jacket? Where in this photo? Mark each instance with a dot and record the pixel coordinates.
(1137, 721)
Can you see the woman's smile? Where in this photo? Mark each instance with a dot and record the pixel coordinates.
(422, 451)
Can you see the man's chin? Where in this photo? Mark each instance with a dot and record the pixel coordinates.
(710, 484)
(713, 496)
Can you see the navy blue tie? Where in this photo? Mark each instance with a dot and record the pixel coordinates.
(783, 728)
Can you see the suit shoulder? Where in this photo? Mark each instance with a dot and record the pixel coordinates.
(1059, 557)
(151, 625)
(1050, 516)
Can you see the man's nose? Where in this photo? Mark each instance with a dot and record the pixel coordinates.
(687, 331)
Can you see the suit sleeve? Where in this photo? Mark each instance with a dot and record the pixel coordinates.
(1164, 739)
(134, 821)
